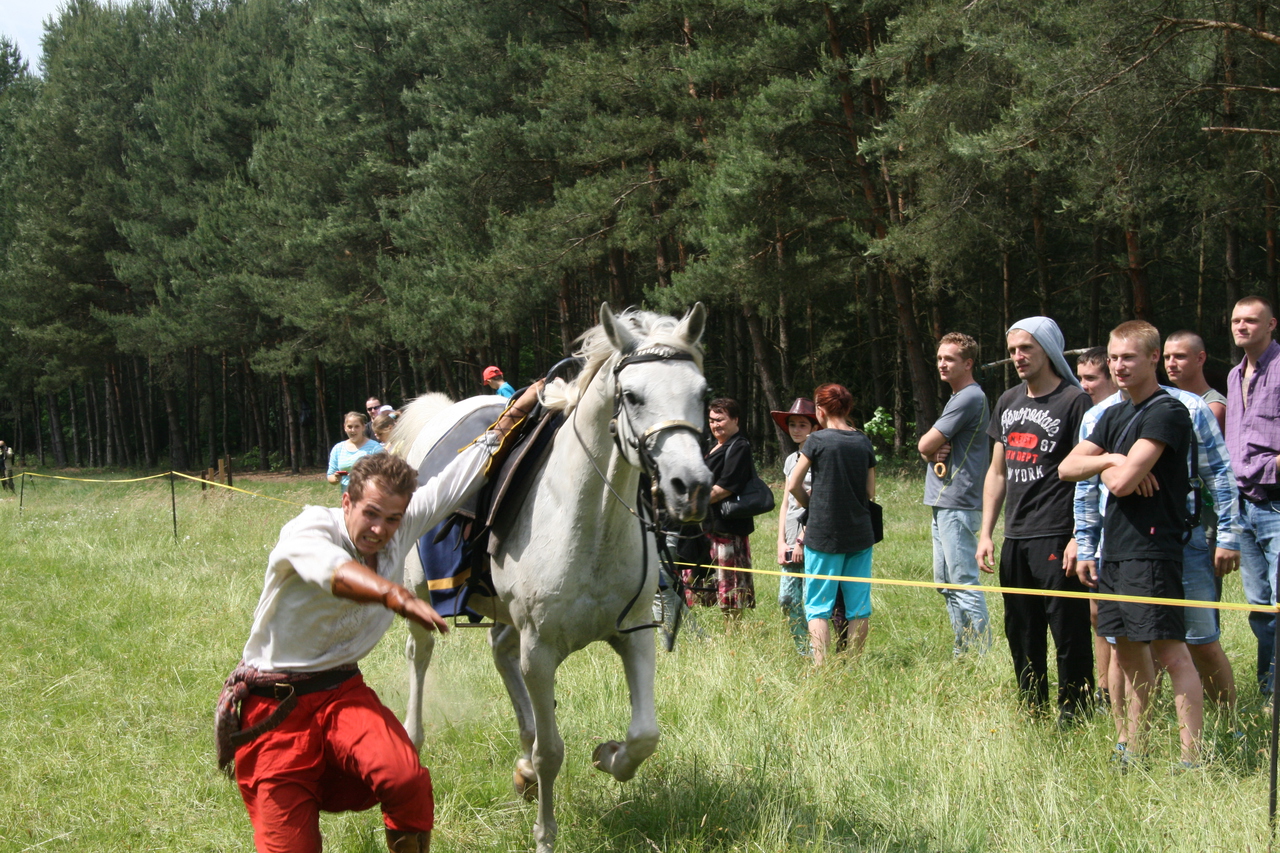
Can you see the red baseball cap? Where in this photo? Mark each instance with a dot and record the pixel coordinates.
(491, 372)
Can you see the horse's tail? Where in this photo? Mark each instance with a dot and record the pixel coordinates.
(413, 420)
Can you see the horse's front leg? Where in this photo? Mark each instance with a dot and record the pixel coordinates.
(504, 640)
(538, 664)
(417, 650)
(621, 760)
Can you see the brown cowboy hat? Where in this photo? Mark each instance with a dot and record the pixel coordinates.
(802, 406)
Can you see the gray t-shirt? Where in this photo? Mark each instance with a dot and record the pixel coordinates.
(964, 422)
(794, 510)
(1214, 396)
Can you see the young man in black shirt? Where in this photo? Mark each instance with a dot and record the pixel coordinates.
(1033, 426)
(1140, 450)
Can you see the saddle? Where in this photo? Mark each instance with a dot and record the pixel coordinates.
(457, 554)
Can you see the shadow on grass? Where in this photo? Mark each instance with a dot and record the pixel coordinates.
(689, 807)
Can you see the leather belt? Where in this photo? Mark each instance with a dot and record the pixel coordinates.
(282, 690)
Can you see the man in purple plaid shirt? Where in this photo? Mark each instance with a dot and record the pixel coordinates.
(1253, 440)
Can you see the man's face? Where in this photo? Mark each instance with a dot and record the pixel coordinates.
(1029, 358)
(1251, 325)
(371, 406)
(799, 427)
(374, 519)
(1131, 366)
(1095, 381)
(1184, 364)
(951, 365)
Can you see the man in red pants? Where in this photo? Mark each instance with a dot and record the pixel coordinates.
(310, 736)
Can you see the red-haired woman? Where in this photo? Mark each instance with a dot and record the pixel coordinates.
(838, 537)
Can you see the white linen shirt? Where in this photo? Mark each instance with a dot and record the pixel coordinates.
(299, 625)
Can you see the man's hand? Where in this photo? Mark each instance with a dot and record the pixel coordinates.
(986, 555)
(941, 454)
(1147, 486)
(1225, 561)
(417, 610)
(1069, 557)
(1087, 572)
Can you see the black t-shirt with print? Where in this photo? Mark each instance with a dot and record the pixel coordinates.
(1037, 434)
(1148, 528)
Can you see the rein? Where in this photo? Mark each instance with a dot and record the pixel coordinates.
(648, 465)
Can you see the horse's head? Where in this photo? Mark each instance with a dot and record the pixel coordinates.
(658, 388)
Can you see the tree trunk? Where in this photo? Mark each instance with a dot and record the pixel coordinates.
(127, 450)
(922, 383)
(109, 432)
(92, 425)
(35, 410)
(291, 423)
(177, 446)
(76, 458)
(1232, 263)
(322, 408)
(566, 327)
(56, 439)
(767, 385)
(144, 421)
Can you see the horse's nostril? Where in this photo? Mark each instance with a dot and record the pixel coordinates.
(678, 485)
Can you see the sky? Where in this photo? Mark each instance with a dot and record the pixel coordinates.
(22, 21)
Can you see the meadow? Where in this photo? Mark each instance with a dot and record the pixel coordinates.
(117, 639)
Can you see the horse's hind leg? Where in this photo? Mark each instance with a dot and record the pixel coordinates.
(417, 650)
(504, 640)
(622, 759)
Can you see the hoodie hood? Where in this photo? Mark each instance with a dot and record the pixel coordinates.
(1049, 337)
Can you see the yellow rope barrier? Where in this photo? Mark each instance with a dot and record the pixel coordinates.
(1049, 593)
(92, 480)
(1014, 590)
(154, 477)
(232, 488)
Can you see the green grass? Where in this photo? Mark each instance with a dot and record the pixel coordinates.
(118, 639)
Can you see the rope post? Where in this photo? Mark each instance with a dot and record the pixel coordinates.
(173, 506)
(22, 493)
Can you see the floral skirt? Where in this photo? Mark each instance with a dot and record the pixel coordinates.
(732, 590)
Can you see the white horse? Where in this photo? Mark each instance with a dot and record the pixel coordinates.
(573, 563)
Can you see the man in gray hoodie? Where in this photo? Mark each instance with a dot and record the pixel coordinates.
(1034, 426)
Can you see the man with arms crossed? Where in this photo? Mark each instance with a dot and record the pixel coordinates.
(1139, 449)
(1202, 564)
(1034, 425)
(1253, 440)
(956, 445)
(309, 735)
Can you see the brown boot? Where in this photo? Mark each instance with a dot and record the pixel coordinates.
(408, 842)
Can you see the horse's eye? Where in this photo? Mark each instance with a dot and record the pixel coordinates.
(632, 398)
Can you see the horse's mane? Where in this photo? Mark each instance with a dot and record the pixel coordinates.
(594, 347)
(413, 419)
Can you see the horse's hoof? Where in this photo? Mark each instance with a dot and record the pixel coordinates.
(525, 780)
(605, 752)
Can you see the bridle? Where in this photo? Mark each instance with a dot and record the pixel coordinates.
(624, 438)
(641, 444)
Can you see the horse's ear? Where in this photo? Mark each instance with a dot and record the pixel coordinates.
(618, 334)
(693, 324)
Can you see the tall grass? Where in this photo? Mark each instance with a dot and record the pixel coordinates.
(117, 640)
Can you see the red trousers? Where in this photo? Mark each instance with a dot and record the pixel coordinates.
(338, 750)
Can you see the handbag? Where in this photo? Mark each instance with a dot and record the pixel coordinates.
(755, 499)
(877, 520)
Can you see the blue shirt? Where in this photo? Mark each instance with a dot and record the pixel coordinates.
(1214, 468)
(343, 456)
(505, 390)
